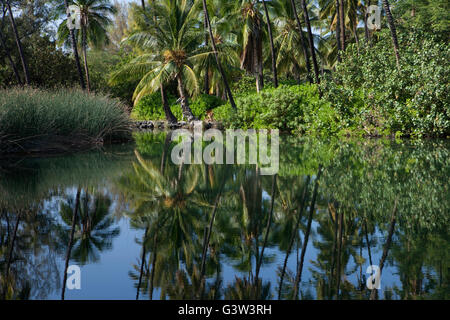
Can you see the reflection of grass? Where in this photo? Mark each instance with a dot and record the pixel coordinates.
(33, 179)
(57, 121)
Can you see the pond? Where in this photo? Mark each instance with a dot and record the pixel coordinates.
(146, 228)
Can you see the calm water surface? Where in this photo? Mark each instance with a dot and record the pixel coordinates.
(142, 227)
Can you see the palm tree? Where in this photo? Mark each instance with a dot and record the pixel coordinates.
(342, 23)
(391, 23)
(18, 42)
(94, 20)
(73, 42)
(252, 56)
(173, 39)
(219, 65)
(302, 39)
(311, 41)
(272, 48)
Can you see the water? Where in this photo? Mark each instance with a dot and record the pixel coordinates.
(393, 200)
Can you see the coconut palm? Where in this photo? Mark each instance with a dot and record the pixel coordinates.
(95, 17)
(170, 45)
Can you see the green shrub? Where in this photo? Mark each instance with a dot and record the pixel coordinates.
(32, 120)
(369, 92)
(288, 108)
(150, 107)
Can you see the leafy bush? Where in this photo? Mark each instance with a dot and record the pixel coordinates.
(36, 120)
(288, 108)
(150, 107)
(370, 93)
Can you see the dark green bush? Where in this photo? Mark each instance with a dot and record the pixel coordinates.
(369, 92)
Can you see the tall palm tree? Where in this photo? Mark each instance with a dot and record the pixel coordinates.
(252, 56)
(272, 48)
(216, 54)
(342, 23)
(95, 17)
(311, 41)
(170, 47)
(302, 39)
(391, 23)
(73, 42)
(18, 42)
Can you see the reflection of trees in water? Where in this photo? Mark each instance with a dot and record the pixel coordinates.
(28, 253)
(196, 219)
(355, 206)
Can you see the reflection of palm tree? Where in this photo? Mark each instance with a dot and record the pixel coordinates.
(94, 229)
(245, 289)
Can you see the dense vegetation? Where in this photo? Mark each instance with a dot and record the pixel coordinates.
(310, 67)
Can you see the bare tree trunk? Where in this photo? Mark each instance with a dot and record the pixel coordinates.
(342, 16)
(86, 67)
(338, 30)
(311, 41)
(187, 112)
(18, 43)
(391, 23)
(216, 54)
(75, 50)
(302, 40)
(69, 247)
(206, 80)
(366, 18)
(11, 61)
(167, 112)
(272, 48)
(257, 57)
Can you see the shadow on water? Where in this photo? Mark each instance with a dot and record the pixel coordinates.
(226, 231)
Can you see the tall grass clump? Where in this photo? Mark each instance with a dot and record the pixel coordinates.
(34, 120)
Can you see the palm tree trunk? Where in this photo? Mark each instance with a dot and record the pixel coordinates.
(143, 4)
(168, 113)
(75, 50)
(338, 30)
(86, 67)
(206, 80)
(366, 17)
(294, 235)
(272, 48)
(11, 61)
(391, 23)
(302, 40)
(19, 44)
(216, 54)
(298, 278)
(311, 41)
(69, 247)
(187, 112)
(257, 58)
(342, 24)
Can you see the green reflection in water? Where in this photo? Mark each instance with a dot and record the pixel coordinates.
(378, 202)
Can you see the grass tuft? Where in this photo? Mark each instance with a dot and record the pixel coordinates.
(33, 120)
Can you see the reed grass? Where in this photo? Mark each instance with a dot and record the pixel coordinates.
(33, 120)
